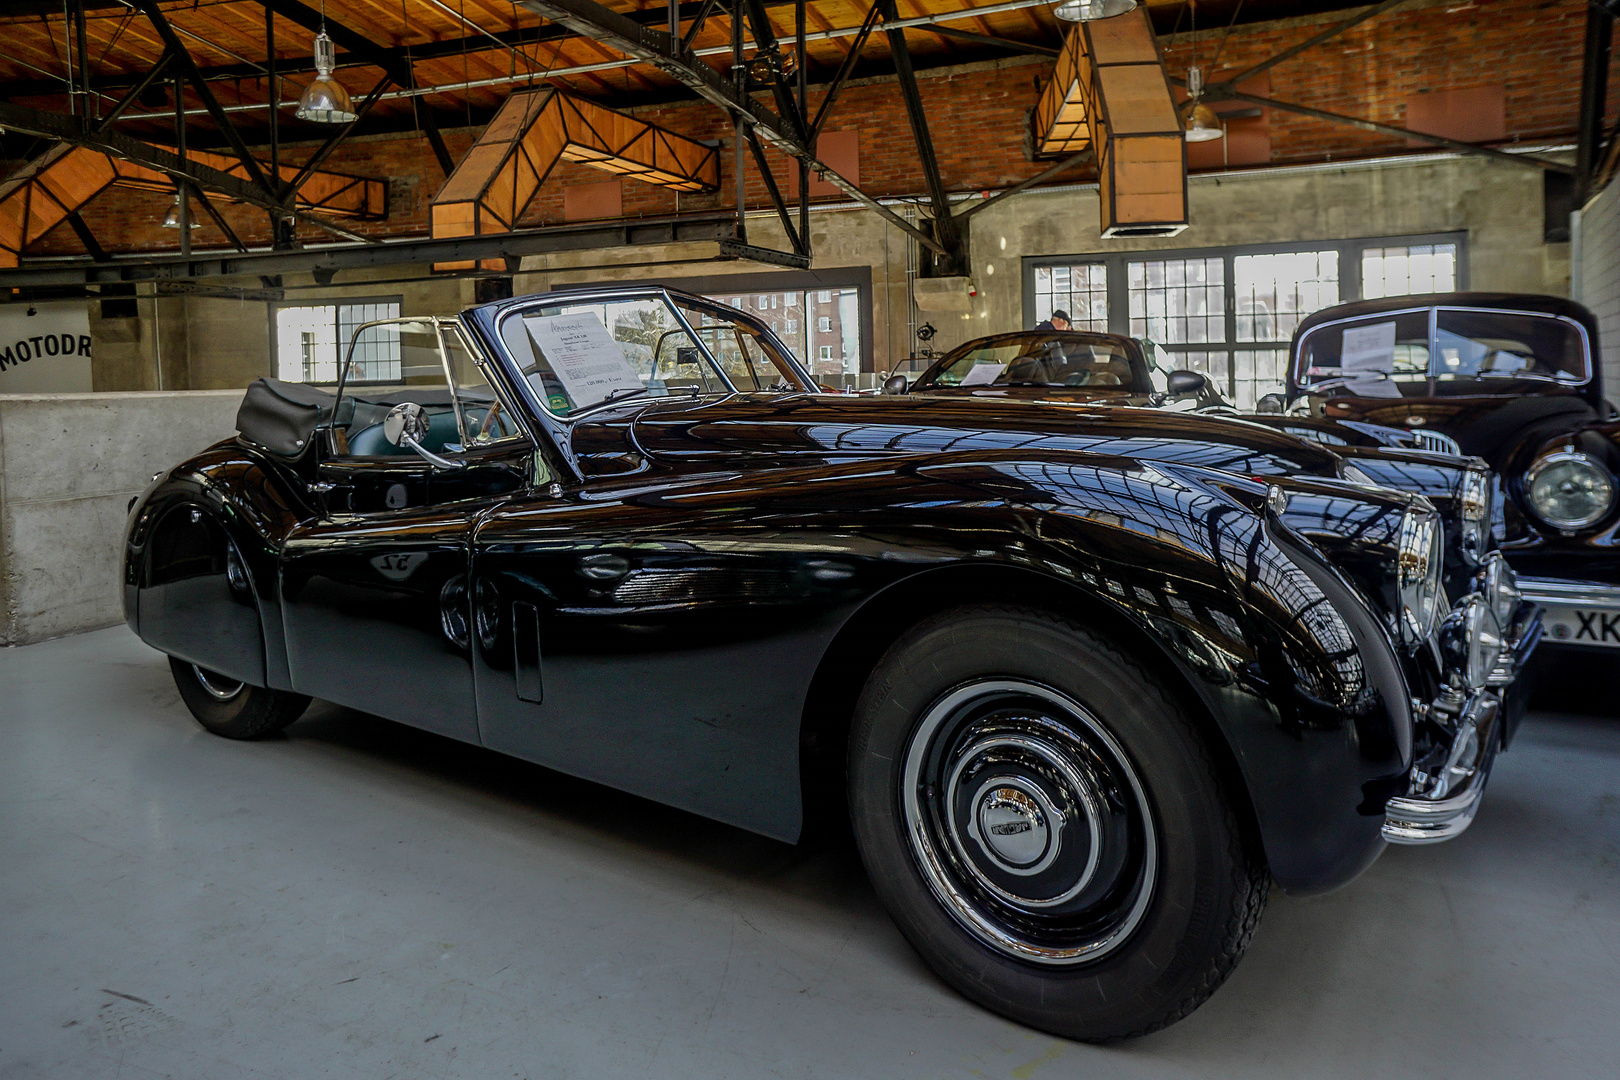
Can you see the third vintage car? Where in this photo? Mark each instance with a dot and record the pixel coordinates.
(1088, 681)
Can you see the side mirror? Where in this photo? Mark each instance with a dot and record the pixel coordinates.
(406, 425)
(1190, 384)
(896, 384)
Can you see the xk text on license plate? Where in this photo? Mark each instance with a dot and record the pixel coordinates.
(1582, 626)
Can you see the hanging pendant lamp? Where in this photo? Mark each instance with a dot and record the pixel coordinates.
(324, 100)
(1091, 10)
(171, 220)
(1203, 125)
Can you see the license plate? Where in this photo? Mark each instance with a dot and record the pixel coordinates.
(1581, 626)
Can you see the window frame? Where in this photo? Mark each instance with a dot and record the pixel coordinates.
(1119, 319)
(334, 302)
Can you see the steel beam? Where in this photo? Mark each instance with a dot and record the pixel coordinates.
(689, 228)
(1045, 174)
(944, 224)
(1594, 91)
(1223, 93)
(844, 69)
(65, 128)
(1311, 42)
(86, 237)
(775, 193)
(182, 58)
(986, 39)
(737, 249)
(602, 24)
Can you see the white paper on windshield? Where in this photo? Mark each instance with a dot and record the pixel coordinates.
(583, 355)
(982, 374)
(1370, 350)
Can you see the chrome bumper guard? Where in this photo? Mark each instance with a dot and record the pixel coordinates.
(1455, 792)
(1442, 805)
(1570, 593)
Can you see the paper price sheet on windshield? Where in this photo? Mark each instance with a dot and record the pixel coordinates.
(583, 355)
(982, 374)
(1369, 351)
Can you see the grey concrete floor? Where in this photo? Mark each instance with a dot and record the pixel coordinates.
(358, 899)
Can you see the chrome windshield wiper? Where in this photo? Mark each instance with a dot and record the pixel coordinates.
(1531, 376)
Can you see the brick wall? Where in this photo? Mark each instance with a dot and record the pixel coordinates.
(979, 116)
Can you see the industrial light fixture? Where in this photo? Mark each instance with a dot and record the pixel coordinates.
(324, 100)
(1089, 10)
(1202, 123)
(171, 220)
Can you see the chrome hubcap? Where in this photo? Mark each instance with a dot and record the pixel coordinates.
(1028, 822)
(218, 686)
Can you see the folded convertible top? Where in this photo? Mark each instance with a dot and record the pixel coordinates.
(281, 417)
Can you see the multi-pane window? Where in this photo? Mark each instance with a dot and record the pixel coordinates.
(1177, 301)
(313, 339)
(1081, 289)
(1401, 271)
(1232, 312)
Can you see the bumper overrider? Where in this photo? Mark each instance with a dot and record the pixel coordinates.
(1482, 646)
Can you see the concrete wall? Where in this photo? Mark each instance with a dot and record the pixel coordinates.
(69, 464)
(1598, 278)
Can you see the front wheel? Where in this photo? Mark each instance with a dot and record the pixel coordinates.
(232, 708)
(1048, 827)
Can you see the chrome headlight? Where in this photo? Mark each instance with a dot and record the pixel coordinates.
(1419, 557)
(1500, 587)
(1568, 490)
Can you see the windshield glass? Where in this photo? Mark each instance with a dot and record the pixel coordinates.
(1393, 355)
(1047, 360)
(577, 355)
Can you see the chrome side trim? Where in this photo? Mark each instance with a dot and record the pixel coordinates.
(1570, 593)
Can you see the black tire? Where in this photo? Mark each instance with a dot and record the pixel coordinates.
(234, 709)
(996, 719)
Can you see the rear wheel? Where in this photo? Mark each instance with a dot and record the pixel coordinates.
(232, 708)
(1048, 827)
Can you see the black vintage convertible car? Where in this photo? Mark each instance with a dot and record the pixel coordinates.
(1514, 379)
(1089, 679)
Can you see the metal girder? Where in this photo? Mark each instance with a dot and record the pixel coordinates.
(738, 249)
(1311, 42)
(944, 224)
(759, 25)
(1594, 91)
(1224, 93)
(1045, 174)
(86, 237)
(67, 129)
(775, 193)
(602, 24)
(986, 39)
(178, 55)
(689, 228)
(844, 69)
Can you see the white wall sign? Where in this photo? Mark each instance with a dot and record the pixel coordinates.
(47, 352)
(583, 355)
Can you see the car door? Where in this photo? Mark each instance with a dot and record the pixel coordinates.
(638, 631)
(374, 594)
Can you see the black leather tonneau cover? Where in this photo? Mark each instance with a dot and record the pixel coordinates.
(281, 417)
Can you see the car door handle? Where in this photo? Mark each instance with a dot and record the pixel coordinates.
(604, 567)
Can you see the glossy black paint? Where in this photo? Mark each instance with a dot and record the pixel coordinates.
(679, 596)
(1510, 424)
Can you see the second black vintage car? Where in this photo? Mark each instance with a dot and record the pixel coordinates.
(1090, 680)
(1514, 379)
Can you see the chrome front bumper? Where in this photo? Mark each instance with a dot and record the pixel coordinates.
(1456, 789)
(1442, 804)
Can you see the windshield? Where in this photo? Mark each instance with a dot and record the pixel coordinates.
(1441, 351)
(1046, 360)
(578, 354)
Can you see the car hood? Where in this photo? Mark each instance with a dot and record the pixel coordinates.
(1487, 427)
(792, 429)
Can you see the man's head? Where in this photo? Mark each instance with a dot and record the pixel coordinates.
(1060, 320)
